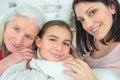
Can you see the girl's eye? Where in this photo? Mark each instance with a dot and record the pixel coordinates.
(92, 12)
(66, 44)
(29, 37)
(16, 29)
(53, 40)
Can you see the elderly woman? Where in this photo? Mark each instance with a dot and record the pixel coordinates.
(18, 31)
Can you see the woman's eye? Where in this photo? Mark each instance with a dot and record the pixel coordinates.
(81, 20)
(28, 37)
(16, 29)
(92, 12)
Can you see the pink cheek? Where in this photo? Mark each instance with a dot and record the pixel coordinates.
(99, 18)
(67, 50)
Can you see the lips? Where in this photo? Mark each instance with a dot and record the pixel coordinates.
(56, 55)
(95, 29)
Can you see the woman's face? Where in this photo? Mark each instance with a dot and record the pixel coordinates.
(20, 33)
(55, 43)
(96, 18)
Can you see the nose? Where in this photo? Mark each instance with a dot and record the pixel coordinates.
(19, 40)
(59, 47)
(88, 23)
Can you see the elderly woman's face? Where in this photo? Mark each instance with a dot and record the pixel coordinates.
(20, 33)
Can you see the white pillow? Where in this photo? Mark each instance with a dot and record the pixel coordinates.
(106, 74)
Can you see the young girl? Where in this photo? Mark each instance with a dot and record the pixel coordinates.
(53, 42)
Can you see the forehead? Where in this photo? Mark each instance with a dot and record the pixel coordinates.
(25, 24)
(59, 31)
(83, 7)
(22, 20)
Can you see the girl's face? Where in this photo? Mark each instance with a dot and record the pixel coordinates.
(20, 33)
(96, 18)
(55, 43)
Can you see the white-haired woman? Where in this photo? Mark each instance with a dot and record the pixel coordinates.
(18, 31)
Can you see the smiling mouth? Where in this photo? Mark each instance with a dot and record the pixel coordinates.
(56, 55)
(95, 29)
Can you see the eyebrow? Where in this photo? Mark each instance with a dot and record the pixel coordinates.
(89, 8)
(58, 38)
(86, 11)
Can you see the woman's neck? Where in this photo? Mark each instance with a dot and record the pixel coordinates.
(103, 50)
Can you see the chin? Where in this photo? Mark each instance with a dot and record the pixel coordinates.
(99, 37)
(53, 60)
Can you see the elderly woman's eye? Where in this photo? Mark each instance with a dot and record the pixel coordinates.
(29, 37)
(16, 29)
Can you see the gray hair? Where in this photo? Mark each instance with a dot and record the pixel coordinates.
(29, 11)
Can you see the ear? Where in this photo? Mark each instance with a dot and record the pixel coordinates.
(38, 42)
(112, 8)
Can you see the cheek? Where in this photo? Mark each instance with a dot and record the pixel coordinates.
(8, 35)
(44, 47)
(44, 53)
(99, 17)
(29, 44)
(66, 50)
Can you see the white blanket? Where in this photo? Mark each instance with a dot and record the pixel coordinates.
(53, 69)
(45, 70)
(19, 72)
